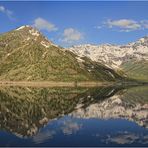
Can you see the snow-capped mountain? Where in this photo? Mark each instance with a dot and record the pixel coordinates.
(31, 33)
(114, 55)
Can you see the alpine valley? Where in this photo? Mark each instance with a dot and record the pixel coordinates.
(26, 55)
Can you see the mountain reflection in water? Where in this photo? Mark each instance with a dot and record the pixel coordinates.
(108, 116)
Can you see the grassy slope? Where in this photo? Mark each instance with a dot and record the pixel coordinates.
(21, 59)
(136, 69)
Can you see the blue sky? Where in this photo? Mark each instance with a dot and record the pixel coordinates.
(71, 23)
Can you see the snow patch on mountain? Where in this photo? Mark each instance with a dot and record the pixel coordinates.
(114, 55)
(34, 32)
(45, 44)
(22, 27)
(79, 59)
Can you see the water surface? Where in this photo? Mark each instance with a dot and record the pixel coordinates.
(102, 116)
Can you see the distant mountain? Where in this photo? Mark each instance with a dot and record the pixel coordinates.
(25, 54)
(130, 59)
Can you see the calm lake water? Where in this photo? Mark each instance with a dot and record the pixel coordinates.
(103, 116)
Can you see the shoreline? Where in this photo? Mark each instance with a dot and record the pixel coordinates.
(54, 84)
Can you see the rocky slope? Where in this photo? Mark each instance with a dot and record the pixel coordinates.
(25, 54)
(123, 58)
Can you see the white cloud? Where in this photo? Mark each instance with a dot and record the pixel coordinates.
(71, 35)
(6, 11)
(124, 24)
(43, 24)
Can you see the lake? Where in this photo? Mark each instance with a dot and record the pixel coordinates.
(99, 116)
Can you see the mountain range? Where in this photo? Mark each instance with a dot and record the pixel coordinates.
(130, 60)
(26, 54)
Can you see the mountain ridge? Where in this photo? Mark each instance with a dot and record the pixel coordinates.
(117, 57)
(26, 54)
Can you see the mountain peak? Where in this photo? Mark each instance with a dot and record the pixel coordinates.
(23, 27)
(29, 32)
(33, 31)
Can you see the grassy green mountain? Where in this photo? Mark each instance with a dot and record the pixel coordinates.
(25, 54)
(137, 70)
